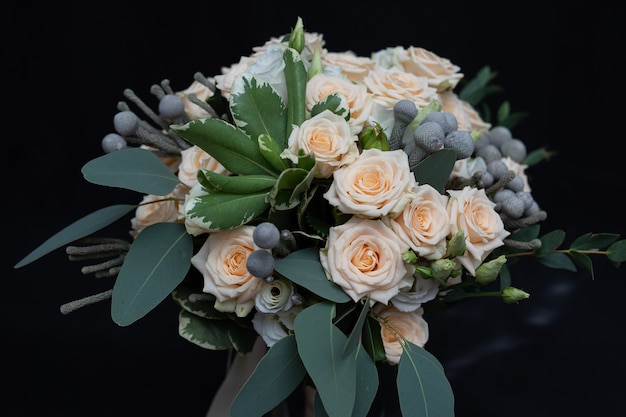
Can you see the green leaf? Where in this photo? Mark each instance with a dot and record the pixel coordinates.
(336, 103)
(235, 184)
(583, 261)
(320, 344)
(271, 151)
(474, 91)
(258, 109)
(536, 156)
(79, 229)
(295, 78)
(550, 242)
(203, 307)
(435, 169)
(296, 181)
(423, 388)
(617, 251)
(366, 384)
(277, 375)
(229, 145)
(355, 335)
(156, 263)
(134, 169)
(221, 211)
(557, 261)
(596, 241)
(203, 332)
(303, 267)
(372, 340)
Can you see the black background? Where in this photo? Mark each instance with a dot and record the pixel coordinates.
(559, 353)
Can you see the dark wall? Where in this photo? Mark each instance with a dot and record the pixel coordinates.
(559, 353)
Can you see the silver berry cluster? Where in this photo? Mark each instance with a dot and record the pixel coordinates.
(260, 262)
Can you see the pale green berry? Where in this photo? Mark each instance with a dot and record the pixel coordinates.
(266, 235)
(260, 263)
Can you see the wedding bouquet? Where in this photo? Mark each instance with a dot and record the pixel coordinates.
(320, 205)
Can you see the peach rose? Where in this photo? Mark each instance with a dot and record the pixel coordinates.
(193, 159)
(423, 224)
(388, 86)
(364, 257)
(359, 100)
(222, 262)
(441, 73)
(374, 185)
(476, 122)
(398, 326)
(202, 92)
(224, 81)
(328, 136)
(354, 67)
(157, 209)
(451, 103)
(473, 212)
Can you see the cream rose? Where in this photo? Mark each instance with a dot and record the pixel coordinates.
(359, 100)
(193, 159)
(423, 224)
(157, 209)
(473, 212)
(390, 85)
(222, 262)
(374, 185)
(353, 67)
(451, 103)
(202, 92)
(398, 326)
(441, 73)
(329, 137)
(364, 257)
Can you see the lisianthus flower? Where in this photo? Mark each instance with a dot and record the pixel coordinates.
(423, 223)
(399, 325)
(375, 184)
(222, 262)
(272, 327)
(330, 139)
(364, 257)
(473, 212)
(274, 296)
(422, 291)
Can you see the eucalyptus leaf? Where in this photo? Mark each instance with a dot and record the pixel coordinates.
(220, 211)
(423, 388)
(303, 267)
(372, 340)
(77, 230)
(206, 333)
(296, 79)
(474, 91)
(156, 263)
(355, 335)
(366, 384)
(258, 109)
(583, 261)
(320, 344)
(279, 372)
(617, 251)
(550, 242)
(135, 169)
(235, 184)
(597, 241)
(557, 261)
(229, 145)
(435, 169)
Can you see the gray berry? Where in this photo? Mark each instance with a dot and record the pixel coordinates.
(113, 142)
(503, 195)
(513, 206)
(429, 136)
(499, 135)
(497, 168)
(461, 142)
(266, 235)
(126, 123)
(171, 106)
(489, 153)
(516, 184)
(515, 149)
(447, 124)
(260, 263)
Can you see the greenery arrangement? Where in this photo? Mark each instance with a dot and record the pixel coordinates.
(326, 204)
